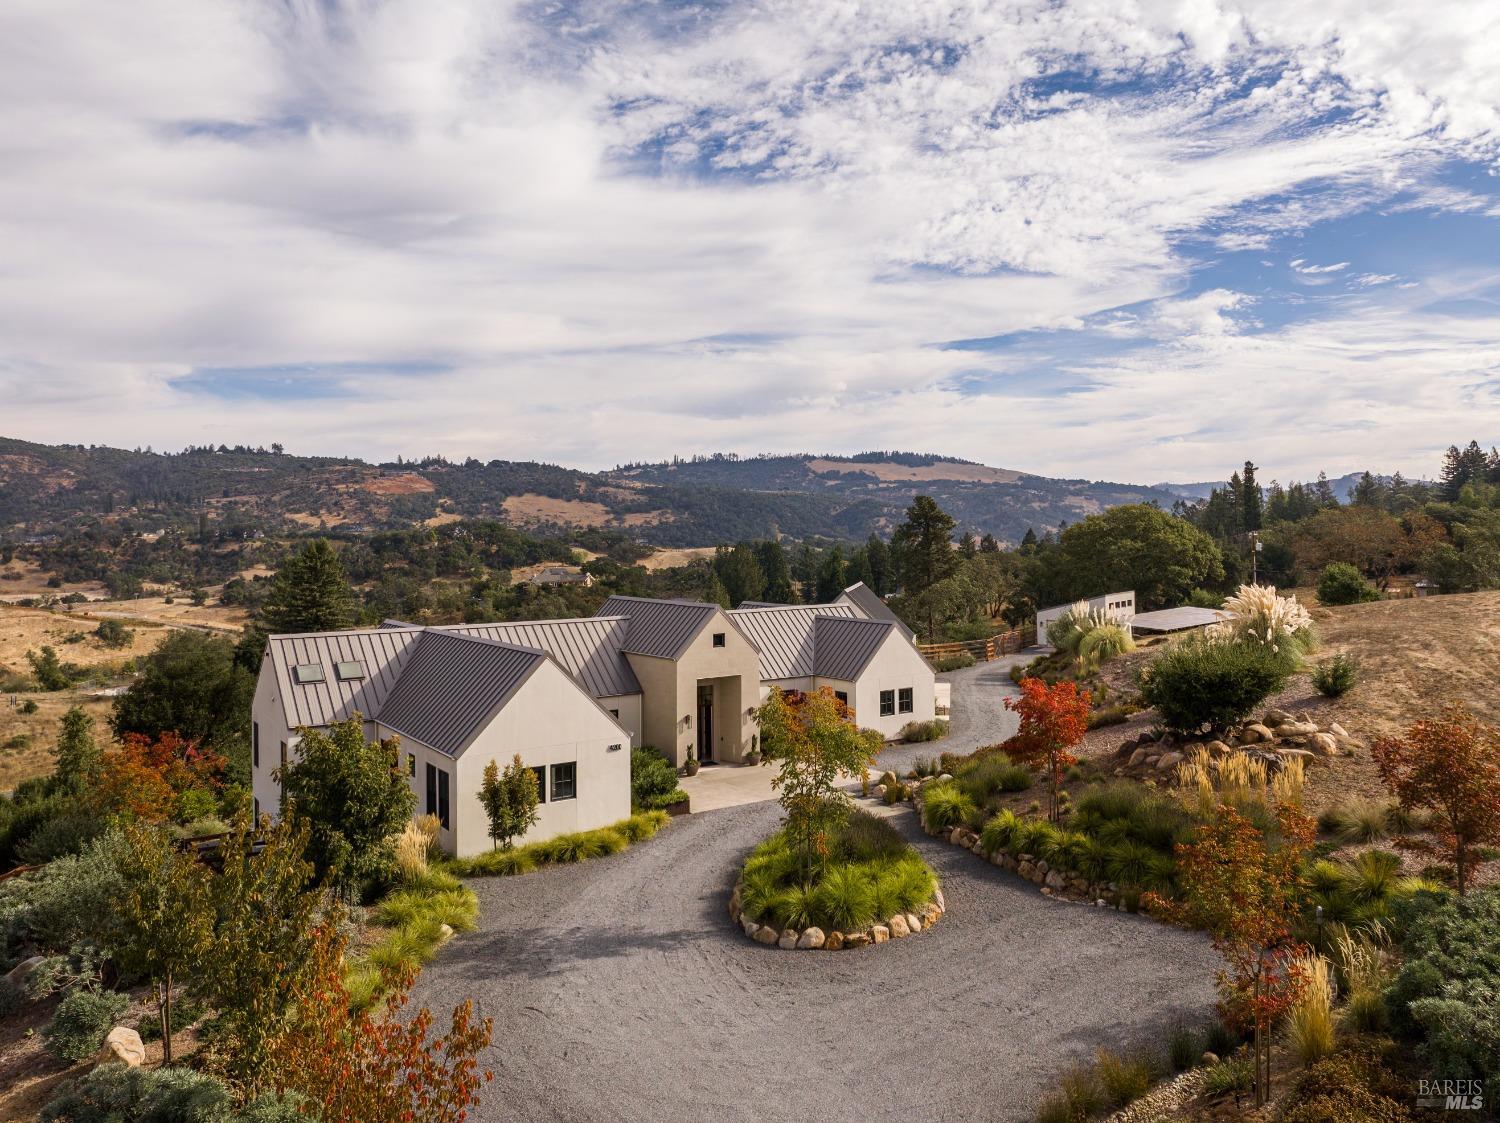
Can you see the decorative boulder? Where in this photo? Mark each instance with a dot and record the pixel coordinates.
(1217, 748)
(1297, 729)
(1338, 730)
(123, 1044)
(1276, 717)
(878, 791)
(1324, 743)
(749, 926)
(880, 933)
(788, 939)
(1255, 732)
(766, 934)
(858, 940)
(1168, 760)
(835, 941)
(1138, 757)
(1054, 880)
(937, 899)
(811, 938)
(898, 926)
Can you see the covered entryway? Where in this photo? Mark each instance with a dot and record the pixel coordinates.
(706, 722)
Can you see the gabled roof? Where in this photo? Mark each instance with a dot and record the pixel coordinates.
(383, 652)
(660, 628)
(588, 648)
(870, 604)
(844, 646)
(784, 635)
(452, 685)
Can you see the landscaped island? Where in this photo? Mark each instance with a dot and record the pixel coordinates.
(871, 886)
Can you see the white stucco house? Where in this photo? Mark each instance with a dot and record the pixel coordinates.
(572, 696)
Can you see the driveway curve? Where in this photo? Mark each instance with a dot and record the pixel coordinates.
(620, 991)
(978, 713)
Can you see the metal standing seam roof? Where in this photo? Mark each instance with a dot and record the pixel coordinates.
(660, 628)
(383, 651)
(1176, 619)
(869, 602)
(762, 604)
(589, 648)
(784, 635)
(452, 684)
(844, 646)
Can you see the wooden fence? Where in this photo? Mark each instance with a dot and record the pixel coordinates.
(983, 650)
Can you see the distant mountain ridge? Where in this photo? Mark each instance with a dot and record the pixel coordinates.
(48, 489)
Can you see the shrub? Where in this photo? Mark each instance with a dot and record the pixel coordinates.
(894, 793)
(1103, 644)
(1125, 1079)
(114, 1092)
(1357, 820)
(411, 853)
(184, 1013)
(1233, 1074)
(28, 706)
(563, 849)
(651, 776)
(112, 633)
(845, 898)
(57, 838)
(1115, 800)
(864, 837)
(80, 1022)
(1356, 1083)
(1110, 715)
(1341, 583)
(1260, 618)
(921, 731)
(945, 805)
(1204, 684)
(1183, 1049)
(1336, 676)
(12, 998)
(1309, 1023)
(1219, 1039)
(954, 662)
(983, 776)
(998, 831)
(663, 801)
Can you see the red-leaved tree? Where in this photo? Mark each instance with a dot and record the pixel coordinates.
(359, 1067)
(146, 778)
(1053, 720)
(1449, 765)
(1245, 890)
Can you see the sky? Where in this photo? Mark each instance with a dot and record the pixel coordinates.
(1136, 240)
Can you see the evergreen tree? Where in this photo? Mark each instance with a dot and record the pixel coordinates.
(310, 593)
(714, 592)
(831, 576)
(1028, 540)
(79, 757)
(923, 545)
(968, 545)
(740, 573)
(1250, 499)
(510, 800)
(989, 544)
(1323, 492)
(1367, 492)
(879, 555)
(805, 572)
(779, 586)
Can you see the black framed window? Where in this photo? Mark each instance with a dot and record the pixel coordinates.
(255, 744)
(564, 781)
(411, 764)
(541, 783)
(438, 795)
(842, 696)
(718, 639)
(432, 789)
(257, 811)
(887, 703)
(904, 700)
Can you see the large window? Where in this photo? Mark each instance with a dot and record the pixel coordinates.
(437, 795)
(842, 696)
(904, 700)
(887, 703)
(411, 764)
(541, 783)
(564, 781)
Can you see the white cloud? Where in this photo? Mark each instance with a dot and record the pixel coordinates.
(624, 231)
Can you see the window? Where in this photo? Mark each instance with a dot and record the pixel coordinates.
(305, 673)
(256, 802)
(564, 781)
(283, 755)
(255, 744)
(437, 794)
(411, 764)
(887, 703)
(614, 714)
(842, 696)
(718, 639)
(904, 700)
(541, 783)
(352, 671)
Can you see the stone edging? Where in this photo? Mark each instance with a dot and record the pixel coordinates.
(815, 939)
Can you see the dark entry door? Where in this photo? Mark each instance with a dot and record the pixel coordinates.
(705, 722)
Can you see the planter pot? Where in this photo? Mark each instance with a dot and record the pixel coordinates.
(690, 768)
(681, 807)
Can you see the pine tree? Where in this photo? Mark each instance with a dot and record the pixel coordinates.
(740, 572)
(79, 757)
(1323, 492)
(1367, 492)
(880, 564)
(923, 545)
(1028, 541)
(779, 586)
(968, 545)
(989, 544)
(831, 576)
(310, 593)
(1250, 499)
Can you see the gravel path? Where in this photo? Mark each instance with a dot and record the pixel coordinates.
(979, 716)
(620, 991)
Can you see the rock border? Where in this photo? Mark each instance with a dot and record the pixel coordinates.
(895, 927)
(1277, 737)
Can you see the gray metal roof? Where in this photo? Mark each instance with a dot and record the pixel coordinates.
(762, 604)
(452, 684)
(784, 635)
(844, 646)
(662, 628)
(1176, 619)
(588, 648)
(383, 651)
(870, 604)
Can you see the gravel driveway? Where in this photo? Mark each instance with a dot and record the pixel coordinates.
(979, 716)
(620, 991)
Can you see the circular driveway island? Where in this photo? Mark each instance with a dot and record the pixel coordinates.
(621, 991)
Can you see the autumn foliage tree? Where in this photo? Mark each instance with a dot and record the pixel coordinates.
(1245, 890)
(1053, 720)
(147, 777)
(357, 1067)
(1450, 766)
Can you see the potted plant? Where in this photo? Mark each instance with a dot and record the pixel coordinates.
(691, 767)
(753, 756)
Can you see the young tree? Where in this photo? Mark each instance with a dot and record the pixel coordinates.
(1053, 720)
(510, 800)
(164, 918)
(79, 758)
(48, 670)
(1449, 765)
(310, 593)
(813, 742)
(1247, 893)
(112, 633)
(353, 796)
(356, 1067)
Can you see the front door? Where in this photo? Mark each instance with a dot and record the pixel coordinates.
(705, 722)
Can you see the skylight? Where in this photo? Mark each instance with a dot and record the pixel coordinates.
(305, 673)
(351, 671)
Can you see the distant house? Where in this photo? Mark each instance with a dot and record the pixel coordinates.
(571, 696)
(562, 575)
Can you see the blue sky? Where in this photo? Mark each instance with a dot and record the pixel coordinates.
(1070, 238)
